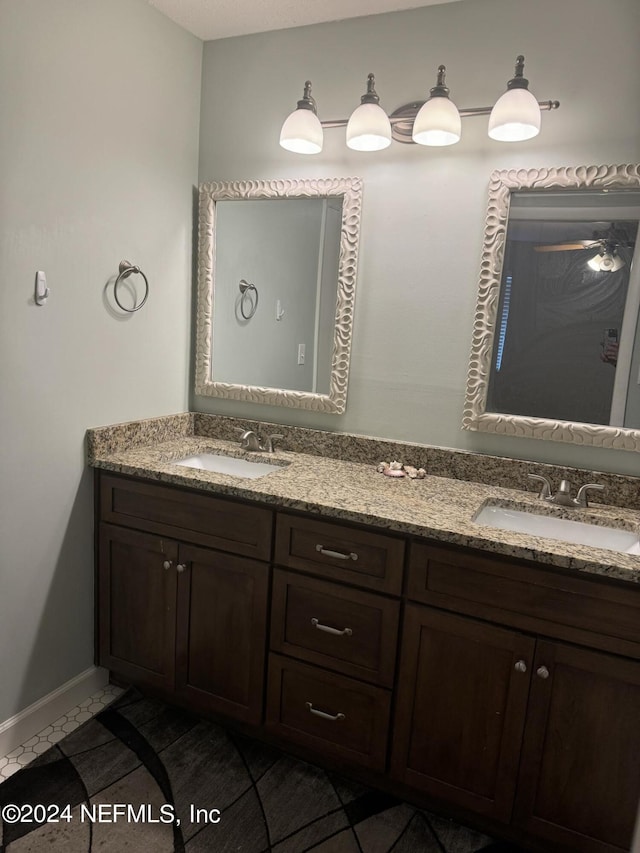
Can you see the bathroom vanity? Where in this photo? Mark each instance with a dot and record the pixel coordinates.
(358, 621)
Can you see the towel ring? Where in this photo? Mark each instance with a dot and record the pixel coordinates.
(245, 288)
(126, 269)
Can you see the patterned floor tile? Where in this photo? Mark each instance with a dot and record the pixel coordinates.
(418, 837)
(57, 731)
(455, 838)
(104, 765)
(241, 828)
(378, 833)
(204, 770)
(314, 833)
(343, 842)
(293, 795)
(70, 835)
(117, 836)
(146, 754)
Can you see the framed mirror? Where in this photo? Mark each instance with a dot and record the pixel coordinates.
(277, 265)
(556, 341)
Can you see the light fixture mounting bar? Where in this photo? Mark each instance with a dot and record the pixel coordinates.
(402, 119)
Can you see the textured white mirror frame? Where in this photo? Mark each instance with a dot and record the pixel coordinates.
(501, 185)
(350, 191)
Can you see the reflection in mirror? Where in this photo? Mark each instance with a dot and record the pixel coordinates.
(279, 333)
(276, 278)
(556, 347)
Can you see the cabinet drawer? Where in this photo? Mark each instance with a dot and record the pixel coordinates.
(556, 602)
(340, 552)
(189, 516)
(329, 713)
(344, 629)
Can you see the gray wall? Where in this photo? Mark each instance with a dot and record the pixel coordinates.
(423, 209)
(98, 159)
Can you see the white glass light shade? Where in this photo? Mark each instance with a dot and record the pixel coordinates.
(437, 123)
(369, 128)
(302, 132)
(606, 262)
(515, 116)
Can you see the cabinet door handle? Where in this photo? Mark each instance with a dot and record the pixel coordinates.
(333, 717)
(167, 564)
(180, 568)
(345, 632)
(542, 672)
(520, 666)
(337, 555)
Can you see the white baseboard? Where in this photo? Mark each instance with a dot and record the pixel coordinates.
(27, 723)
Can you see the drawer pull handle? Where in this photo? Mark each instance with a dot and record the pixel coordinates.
(346, 632)
(180, 568)
(333, 717)
(542, 672)
(521, 666)
(167, 564)
(337, 555)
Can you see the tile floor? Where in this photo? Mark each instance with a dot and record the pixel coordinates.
(32, 748)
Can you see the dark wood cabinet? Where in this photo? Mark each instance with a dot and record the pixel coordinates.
(575, 767)
(324, 613)
(222, 606)
(462, 699)
(340, 552)
(579, 781)
(516, 695)
(335, 626)
(137, 606)
(169, 611)
(328, 713)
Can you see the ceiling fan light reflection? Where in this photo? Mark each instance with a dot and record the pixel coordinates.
(606, 262)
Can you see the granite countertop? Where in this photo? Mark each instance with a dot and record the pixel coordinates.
(437, 508)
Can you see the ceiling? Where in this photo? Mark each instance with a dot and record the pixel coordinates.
(217, 19)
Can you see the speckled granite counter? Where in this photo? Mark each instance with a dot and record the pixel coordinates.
(437, 507)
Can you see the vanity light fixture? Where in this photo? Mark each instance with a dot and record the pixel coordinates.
(369, 128)
(438, 120)
(302, 131)
(434, 122)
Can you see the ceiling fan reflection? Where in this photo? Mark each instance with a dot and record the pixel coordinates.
(606, 258)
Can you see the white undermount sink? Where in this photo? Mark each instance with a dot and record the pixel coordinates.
(564, 529)
(221, 464)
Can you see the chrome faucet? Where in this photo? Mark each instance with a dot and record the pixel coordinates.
(249, 440)
(268, 445)
(563, 496)
(581, 497)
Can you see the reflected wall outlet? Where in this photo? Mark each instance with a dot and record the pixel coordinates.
(301, 350)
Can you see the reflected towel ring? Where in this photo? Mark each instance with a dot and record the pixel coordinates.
(245, 288)
(126, 269)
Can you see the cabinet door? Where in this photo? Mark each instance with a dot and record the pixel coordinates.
(580, 773)
(461, 707)
(137, 581)
(221, 640)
